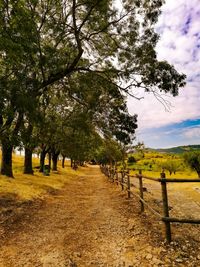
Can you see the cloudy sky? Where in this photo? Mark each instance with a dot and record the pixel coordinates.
(179, 29)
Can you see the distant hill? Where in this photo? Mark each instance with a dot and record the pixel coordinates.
(178, 149)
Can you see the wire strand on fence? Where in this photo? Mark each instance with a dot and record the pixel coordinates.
(143, 201)
(125, 176)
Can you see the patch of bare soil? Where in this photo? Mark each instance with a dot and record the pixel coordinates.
(89, 223)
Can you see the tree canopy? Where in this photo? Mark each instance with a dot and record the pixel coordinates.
(193, 160)
(92, 52)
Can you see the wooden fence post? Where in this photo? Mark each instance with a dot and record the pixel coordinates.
(165, 207)
(122, 179)
(128, 184)
(141, 190)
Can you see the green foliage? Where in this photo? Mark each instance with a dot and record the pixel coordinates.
(70, 48)
(110, 152)
(156, 162)
(140, 149)
(193, 160)
(132, 159)
(171, 165)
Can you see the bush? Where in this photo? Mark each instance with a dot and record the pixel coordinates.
(132, 159)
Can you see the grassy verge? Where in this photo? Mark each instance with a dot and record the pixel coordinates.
(29, 187)
(180, 174)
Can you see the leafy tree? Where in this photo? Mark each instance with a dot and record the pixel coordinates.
(140, 149)
(193, 160)
(171, 165)
(109, 152)
(64, 39)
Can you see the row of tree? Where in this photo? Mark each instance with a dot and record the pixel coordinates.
(66, 67)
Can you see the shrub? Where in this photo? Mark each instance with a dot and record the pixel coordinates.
(132, 159)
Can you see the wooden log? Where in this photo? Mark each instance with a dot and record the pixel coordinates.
(141, 190)
(169, 180)
(181, 180)
(146, 177)
(178, 220)
(151, 178)
(165, 207)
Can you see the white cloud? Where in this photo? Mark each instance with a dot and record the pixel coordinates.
(179, 44)
(192, 133)
(152, 114)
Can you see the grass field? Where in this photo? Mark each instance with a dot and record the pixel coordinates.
(28, 187)
(152, 164)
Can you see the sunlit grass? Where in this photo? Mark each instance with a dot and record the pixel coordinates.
(180, 174)
(155, 160)
(27, 187)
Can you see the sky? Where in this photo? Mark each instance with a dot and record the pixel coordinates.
(179, 44)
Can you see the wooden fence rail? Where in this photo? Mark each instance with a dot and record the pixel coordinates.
(123, 178)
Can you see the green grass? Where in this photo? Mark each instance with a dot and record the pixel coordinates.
(156, 174)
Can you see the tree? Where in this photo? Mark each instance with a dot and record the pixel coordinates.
(140, 149)
(193, 160)
(29, 135)
(171, 165)
(109, 152)
(66, 39)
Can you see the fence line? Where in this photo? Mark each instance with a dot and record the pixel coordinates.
(114, 175)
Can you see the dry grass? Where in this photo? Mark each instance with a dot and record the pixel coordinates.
(28, 187)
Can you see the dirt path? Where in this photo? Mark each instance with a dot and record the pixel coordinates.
(89, 223)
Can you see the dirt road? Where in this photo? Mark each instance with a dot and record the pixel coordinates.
(89, 223)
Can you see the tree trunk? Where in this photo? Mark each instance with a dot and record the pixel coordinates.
(28, 168)
(7, 146)
(75, 165)
(42, 159)
(55, 160)
(6, 161)
(63, 162)
(71, 163)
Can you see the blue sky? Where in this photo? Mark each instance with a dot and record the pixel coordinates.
(179, 44)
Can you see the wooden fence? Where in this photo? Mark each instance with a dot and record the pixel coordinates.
(123, 178)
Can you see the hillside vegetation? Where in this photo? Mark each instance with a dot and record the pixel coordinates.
(179, 149)
(152, 163)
